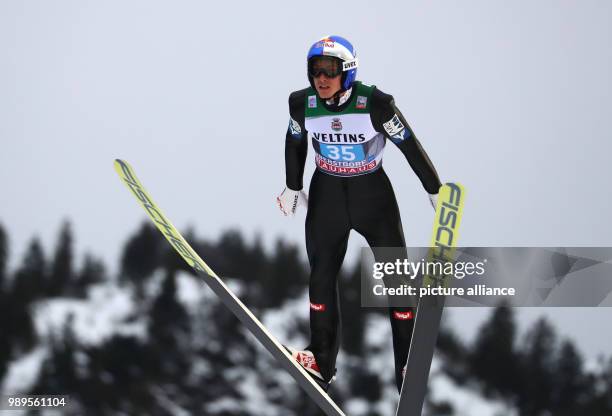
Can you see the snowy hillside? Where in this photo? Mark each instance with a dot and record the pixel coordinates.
(110, 310)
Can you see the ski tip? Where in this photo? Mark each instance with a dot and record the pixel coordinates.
(120, 163)
(122, 167)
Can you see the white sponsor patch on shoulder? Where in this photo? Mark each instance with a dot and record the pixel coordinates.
(312, 101)
(362, 102)
(393, 126)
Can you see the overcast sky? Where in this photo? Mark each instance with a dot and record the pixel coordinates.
(513, 99)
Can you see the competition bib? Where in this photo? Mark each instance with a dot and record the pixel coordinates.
(346, 143)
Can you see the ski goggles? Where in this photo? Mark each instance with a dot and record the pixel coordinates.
(329, 66)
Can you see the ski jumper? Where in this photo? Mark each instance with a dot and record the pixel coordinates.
(349, 191)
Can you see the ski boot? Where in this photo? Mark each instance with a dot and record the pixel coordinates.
(307, 360)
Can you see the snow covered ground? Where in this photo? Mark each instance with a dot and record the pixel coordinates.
(22, 373)
(94, 319)
(465, 401)
(110, 309)
(105, 312)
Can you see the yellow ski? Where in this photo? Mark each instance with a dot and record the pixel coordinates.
(429, 310)
(226, 296)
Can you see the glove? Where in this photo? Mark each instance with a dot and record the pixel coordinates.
(433, 198)
(289, 200)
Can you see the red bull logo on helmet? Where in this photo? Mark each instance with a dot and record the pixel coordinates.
(326, 43)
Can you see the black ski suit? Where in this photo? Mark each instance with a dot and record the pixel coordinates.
(349, 191)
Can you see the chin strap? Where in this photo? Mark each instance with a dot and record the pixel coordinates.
(340, 97)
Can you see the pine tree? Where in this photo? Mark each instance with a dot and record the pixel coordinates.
(5, 330)
(538, 361)
(353, 315)
(5, 344)
(286, 277)
(58, 374)
(168, 316)
(454, 354)
(599, 390)
(169, 329)
(141, 256)
(570, 383)
(3, 258)
(27, 285)
(92, 272)
(255, 266)
(232, 247)
(31, 278)
(493, 358)
(61, 281)
(119, 375)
